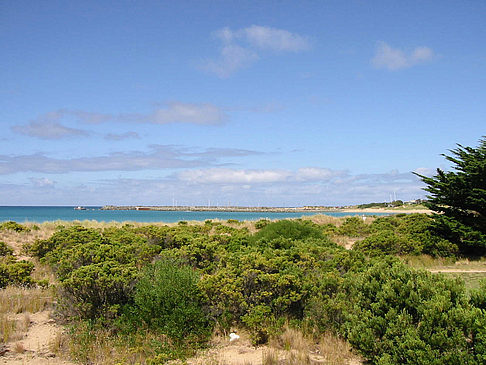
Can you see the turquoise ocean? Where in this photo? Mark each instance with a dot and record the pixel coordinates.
(44, 214)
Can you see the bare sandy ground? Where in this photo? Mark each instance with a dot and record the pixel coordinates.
(35, 347)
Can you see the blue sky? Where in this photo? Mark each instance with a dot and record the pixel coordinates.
(281, 103)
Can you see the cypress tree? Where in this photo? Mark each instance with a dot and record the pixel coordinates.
(459, 199)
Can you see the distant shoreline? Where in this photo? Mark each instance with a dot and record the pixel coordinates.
(222, 209)
(305, 209)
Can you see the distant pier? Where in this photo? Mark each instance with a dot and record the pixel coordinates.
(222, 209)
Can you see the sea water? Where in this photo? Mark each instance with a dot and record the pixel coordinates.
(67, 213)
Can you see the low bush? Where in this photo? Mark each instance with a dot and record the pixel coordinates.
(393, 314)
(288, 229)
(5, 250)
(167, 299)
(13, 226)
(13, 272)
(405, 234)
(354, 227)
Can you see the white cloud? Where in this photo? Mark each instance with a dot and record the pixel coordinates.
(394, 59)
(177, 112)
(159, 157)
(225, 176)
(232, 58)
(48, 130)
(47, 126)
(42, 182)
(316, 173)
(241, 48)
(274, 39)
(236, 187)
(425, 171)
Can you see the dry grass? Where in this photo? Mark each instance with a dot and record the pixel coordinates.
(300, 349)
(428, 262)
(336, 351)
(345, 241)
(19, 348)
(103, 347)
(270, 357)
(324, 219)
(8, 328)
(14, 300)
(291, 339)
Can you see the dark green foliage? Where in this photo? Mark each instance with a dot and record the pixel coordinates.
(388, 243)
(354, 227)
(292, 230)
(405, 234)
(396, 315)
(259, 224)
(181, 281)
(460, 198)
(5, 250)
(13, 272)
(167, 299)
(97, 269)
(13, 226)
(372, 205)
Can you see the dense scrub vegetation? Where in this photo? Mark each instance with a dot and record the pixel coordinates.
(177, 284)
(13, 271)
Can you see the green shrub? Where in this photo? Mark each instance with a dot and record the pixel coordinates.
(259, 319)
(97, 290)
(406, 234)
(13, 226)
(167, 299)
(354, 227)
(259, 224)
(389, 243)
(292, 230)
(394, 314)
(96, 269)
(5, 250)
(14, 272)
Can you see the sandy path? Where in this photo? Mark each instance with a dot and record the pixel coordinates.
(36, 343)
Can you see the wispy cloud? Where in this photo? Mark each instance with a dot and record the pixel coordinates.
(241, 48)
(394, 59)
(232, 58)
(177, 112)
(160, 157)
(224, 176)
(273, 39)
(121, 136)
(238, 176)
(48, 125)
(42, 182)
(48, 130)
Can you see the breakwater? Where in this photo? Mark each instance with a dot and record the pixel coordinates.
(305, 209)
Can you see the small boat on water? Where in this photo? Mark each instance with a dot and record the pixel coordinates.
(80, 208)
